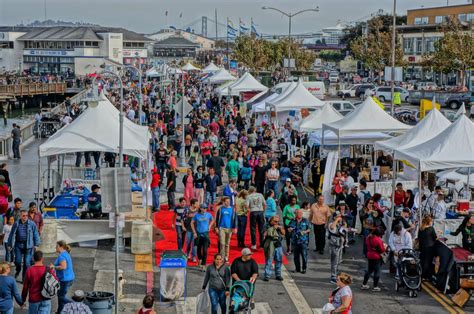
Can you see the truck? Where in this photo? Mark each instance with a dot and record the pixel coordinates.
(452, 100)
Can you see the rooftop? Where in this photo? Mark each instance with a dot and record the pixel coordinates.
(176, 42)
(443, 7)
(72, 33)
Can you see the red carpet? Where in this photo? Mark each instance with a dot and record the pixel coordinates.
(163, 220)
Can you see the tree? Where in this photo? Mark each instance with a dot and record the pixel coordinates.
(453, 52)
(331, 55)
(379, 23)
(375, 49)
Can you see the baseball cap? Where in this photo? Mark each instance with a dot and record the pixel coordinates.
(95, 187)
(79, 294)
(342, 203)
(246, 251)
(288, 180)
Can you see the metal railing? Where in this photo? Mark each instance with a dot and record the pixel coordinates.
(32, 89)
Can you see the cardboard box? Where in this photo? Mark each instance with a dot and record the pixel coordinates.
(461, 297)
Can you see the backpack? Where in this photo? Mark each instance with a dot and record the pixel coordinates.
(50, 284)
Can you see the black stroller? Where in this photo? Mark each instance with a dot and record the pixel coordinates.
(241, 297)
(409, 272)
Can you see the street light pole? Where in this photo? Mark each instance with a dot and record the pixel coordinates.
(393, 55)
(290, 17)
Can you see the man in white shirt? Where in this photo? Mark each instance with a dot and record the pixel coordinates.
(439, 207)
(131, 114)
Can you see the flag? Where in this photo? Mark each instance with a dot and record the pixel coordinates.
(166, 13)
(242, 28)
(181, 15)
(231, 30)
(253, 29)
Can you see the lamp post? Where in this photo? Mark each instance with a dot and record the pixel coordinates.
(140, 95)
(290, 17)
(392, 84)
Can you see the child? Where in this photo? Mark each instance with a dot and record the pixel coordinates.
(6, 230)
(147, 308)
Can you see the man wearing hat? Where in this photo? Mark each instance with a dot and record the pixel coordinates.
(439, 209)
(77, 306)
(94, 202)
(244, 267)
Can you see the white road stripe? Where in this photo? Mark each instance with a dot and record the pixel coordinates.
(189, 307)
(294, 292)
(317, 311)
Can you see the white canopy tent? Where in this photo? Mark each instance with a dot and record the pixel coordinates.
(284, 93)
(330, 138)
(257, 98)
(433, 124)
(452, 148)
(367, 117)
(298, 98)
(219, 77)
(245, 83)
(211, 68)
(97, 130)
(189, 67)
(315, 120)
(261, 106)
(153, 72)
(174, 70)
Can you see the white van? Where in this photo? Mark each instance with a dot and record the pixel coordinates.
(318, 89)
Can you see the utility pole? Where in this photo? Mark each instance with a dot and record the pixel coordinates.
(215, 20)
(393, 54)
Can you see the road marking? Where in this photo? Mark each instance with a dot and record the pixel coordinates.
(189, 307)
(294, 292)
(441, 299)
(317, 311)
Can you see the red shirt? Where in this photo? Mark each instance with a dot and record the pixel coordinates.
(399, 198)
(155, 179)
(206, 148)
(33, 283)
(375, 247)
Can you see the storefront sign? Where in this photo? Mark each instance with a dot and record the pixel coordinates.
(50, 53)
(135, 53)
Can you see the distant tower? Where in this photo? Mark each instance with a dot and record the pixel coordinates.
(204, 26)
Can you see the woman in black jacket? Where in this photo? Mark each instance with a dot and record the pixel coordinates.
(218, 279)
(466, 228)
(427, 239)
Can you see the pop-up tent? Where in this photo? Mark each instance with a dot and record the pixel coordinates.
(452, 148)
(211, 68)
(284, 93)
(298, 98)
(315, 120)
(246, 83)
(153, 72)
(97, 130)
(367, 117)
(219, 77)
(189, 67)
(430, 126)
(261, 106)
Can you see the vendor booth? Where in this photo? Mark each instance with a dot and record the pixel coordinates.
(211, 68)
(220, 77)
(246, 83)
(189, 67)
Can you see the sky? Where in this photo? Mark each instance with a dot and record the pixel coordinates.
(148, 16)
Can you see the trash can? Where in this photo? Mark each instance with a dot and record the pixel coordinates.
(173, 276)
(100, 302)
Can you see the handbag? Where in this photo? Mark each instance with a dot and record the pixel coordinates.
(203, 303)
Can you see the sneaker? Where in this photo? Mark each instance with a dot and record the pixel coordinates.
(265, 279)
(376, 289)
(303, 271)
(364, 287)
(279, 278)
(253, 247)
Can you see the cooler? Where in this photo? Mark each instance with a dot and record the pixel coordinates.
(173, 276)
(65, 207)
(463, 205)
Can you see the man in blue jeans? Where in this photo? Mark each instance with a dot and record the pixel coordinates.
(180, 212)
(23, 238)
(273, 248)
(300, 229)
(211, 182)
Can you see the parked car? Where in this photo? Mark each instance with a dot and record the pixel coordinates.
(384, 93)
(360, 91)
(343, 107)
(334, 77)
(349, 92)
(455, 101)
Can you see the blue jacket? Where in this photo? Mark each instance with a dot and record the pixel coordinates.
(246, 173)
(32, 235)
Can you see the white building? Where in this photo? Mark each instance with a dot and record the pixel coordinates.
(79, 50)
(204, 42)
(329, 36)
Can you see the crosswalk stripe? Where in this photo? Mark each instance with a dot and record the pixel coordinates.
(189, 307)
(294, 292)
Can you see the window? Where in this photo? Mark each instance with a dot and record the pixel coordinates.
(440, 19)
(470, 17)
(462, 17)
(421, 20)
(336, 106)
(408, 45)
(418, 45)
(347, 106)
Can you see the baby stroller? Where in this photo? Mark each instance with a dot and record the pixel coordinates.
(241, 297)
(409, 269)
